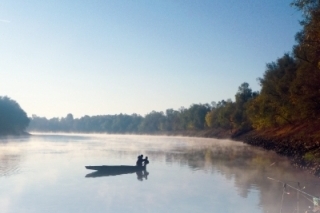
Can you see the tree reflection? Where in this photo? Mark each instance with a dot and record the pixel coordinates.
(10, 155)
(249, 169)
(9, 164)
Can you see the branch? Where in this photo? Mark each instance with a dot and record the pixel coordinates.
(306, 60)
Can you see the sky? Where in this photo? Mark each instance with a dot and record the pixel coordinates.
(103, 57)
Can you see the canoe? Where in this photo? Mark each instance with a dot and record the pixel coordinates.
(121, 167)
(114, 170)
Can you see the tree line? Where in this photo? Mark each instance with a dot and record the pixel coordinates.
(290, 87)
(171, 120)
(225, 114)
(290, 93)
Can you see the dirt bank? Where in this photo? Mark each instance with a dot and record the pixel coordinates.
(299, 142)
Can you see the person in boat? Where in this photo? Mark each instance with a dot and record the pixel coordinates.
(140, 160)
(145, 161)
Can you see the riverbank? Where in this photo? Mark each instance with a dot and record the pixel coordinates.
(8, 134)
(299, 142)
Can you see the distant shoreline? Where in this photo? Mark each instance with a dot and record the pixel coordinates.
(15, 134)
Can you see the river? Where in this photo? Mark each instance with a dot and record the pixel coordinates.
(46, 173)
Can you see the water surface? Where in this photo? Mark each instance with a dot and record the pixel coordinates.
(46, 173)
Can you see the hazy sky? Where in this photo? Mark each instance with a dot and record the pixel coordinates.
(133, 56)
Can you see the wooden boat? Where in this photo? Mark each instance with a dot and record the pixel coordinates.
(113, 170)
(121, 167)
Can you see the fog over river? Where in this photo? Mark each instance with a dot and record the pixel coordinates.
(46, 173)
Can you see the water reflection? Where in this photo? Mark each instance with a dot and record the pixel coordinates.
(247, 167)
(142, 175)
(251, 168)
(10, 158)
(9, 164)
(188, 174)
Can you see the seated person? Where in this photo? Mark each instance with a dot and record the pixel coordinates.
(140, 160)
(145, 161)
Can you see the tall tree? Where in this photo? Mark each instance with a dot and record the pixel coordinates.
(220, 116)
(307, 52)
(172, 120)
(274, 106)
(13, 120)
(239, 116)
(196, 116)
(152, 122)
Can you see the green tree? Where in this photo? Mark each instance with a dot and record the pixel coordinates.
(196, 116)
(274, 106)
(239, 117)
(13, 120)
(172, 120)
(152, 122)
(306, 87)
(220, 115)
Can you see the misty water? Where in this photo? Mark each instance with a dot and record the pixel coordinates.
(46, 173)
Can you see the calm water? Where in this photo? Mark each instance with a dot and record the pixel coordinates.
(46, 173)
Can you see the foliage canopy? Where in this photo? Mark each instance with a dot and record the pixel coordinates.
(13, 120)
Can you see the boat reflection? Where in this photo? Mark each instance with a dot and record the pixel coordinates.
(103, 171)
(142, 175)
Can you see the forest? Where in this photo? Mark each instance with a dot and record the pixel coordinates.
(224, 114)
(289, 95)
